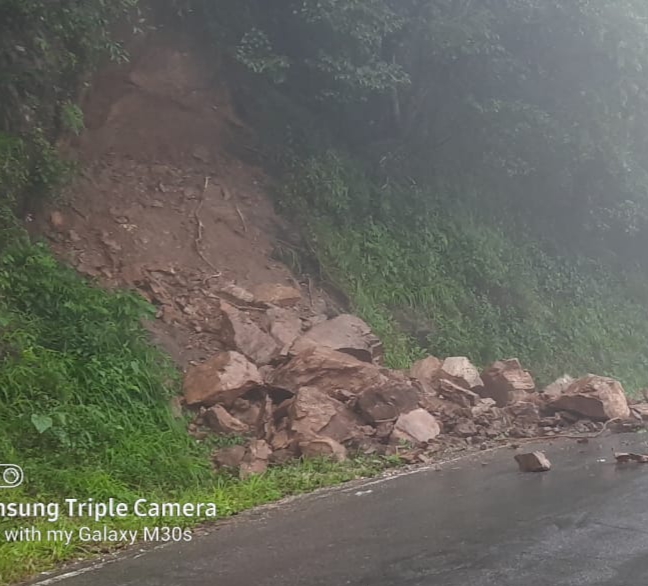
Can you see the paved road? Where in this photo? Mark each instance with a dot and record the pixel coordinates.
(583, 523)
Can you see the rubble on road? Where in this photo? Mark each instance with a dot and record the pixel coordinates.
(533, 462)
(311, 387)
(623, 458)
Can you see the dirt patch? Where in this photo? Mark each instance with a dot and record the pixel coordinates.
(162, 204)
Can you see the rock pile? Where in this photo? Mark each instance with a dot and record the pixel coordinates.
(296, 388)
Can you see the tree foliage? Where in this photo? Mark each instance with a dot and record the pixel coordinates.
(46, 47)
(543, 103)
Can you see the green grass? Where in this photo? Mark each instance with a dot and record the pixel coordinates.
(479, 286)
(84, 409)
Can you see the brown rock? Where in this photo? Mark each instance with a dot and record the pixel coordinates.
(456, 393)
(533, 462)
(482, 407)
(327, 370)
(266, 424)
(57, 220)
(220, 421)
(236, 293)
(426, 372)
(465, 428)
(558, 387)
(417, 427)
(248, 412)
(345, 333)
(524, 413)
(313, 413)
(276, 294)
(222, 379)
(384, 430)
(640, 411)
(595, 397)
(282, 410)
(247, 337)
(496, 421)
(386, 402)
(323, 447)
(266, 371)
(280, 440)
(256, 459)
(285, 327)
(230, 457)
(463, 372)
(507, 382)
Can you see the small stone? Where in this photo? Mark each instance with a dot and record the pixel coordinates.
(57, 220)
(465, 428)
(533, 462)
(220, 421)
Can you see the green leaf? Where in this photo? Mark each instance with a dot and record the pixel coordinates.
(41, 422)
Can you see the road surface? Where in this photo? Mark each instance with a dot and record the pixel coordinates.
(476, 522)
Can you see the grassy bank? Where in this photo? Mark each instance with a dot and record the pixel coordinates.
(435, 275)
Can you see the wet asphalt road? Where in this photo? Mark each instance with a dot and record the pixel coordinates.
(583, 523)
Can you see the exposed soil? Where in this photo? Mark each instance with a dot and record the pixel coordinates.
(162, 204)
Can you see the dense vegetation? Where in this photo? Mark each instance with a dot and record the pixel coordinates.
(472, 174)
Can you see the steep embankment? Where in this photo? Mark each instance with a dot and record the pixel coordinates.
(164, 205)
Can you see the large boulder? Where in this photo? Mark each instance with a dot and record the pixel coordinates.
(313, 413)
(345, 333)
(463, 372)
(248, 338)
(327, 370)
(221, 379)
(426, 372)
(595, 397)
(386, 402)
(507, 382)
(416, 427)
